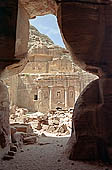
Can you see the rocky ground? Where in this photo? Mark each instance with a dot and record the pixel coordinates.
(35, 149)
(48, 154)
(55, 123)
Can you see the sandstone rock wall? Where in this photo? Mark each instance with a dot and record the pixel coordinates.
(22, 33)
(8, 15)
(87, 29)
(4, 119)
(90, 42)
(37, 7)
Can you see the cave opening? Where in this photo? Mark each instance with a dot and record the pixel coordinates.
(55, 88)
(44, 93)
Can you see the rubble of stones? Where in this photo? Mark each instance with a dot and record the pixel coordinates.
(26, 127)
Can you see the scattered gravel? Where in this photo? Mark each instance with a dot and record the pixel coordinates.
(48, 156)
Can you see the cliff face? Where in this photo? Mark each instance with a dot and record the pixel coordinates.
(46, 57)
(42, 44)
(38, 40)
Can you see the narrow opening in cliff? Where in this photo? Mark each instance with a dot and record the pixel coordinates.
(43, 94)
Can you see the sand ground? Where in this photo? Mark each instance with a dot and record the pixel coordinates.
(48, 154)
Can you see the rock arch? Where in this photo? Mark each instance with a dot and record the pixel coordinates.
(87, 30)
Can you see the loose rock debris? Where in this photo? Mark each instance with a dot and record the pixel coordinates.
(27, 128)
(56, 122)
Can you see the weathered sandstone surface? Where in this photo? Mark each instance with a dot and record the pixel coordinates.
(4, 119)
(37, 7)
(91, 46)
(87, 30)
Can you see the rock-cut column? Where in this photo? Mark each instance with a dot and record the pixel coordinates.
(87, 30)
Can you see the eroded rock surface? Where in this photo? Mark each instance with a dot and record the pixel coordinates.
(4, 118)
(87, 29)
(90, 43)
(8, 16)
(92, 122)
(88, 37)
(37, 7)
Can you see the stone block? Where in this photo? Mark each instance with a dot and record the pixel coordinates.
(30, 140)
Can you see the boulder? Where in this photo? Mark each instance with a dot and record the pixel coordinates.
(92, 127)
(26, 128)
(30, 140)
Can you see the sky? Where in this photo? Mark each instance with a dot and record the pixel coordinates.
(47, 25)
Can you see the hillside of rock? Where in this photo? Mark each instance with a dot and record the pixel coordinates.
(38, 40)
(42, 44)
